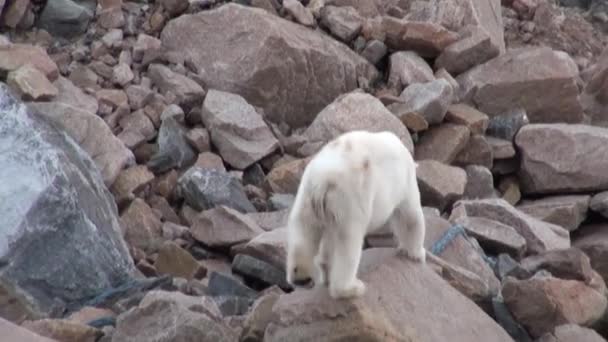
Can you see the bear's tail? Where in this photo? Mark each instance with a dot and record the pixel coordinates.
(325, 198)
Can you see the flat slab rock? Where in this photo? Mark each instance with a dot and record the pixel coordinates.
(540, 236)
(58, 203)
(562, 158)
(290, 71)
(567, 211)
(13, 332)
(400, 298)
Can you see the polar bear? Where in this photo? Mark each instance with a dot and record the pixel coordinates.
(356, 184)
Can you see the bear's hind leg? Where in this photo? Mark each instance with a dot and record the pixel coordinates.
(408, 225)
(344, 262)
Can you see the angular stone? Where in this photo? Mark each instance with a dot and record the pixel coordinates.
(406, 68)
(187, 92)
(286, 177)
(250, 267)
(374, 51)
(259, 316)
(507, 124)
(129, 182)
(113, 39)
(55, 203)
(566, 211)
(63, 330)
(70, 94)
(14, 56)
(224, 227)
(475, 48)
(493, 236)
(412, 120)
(172, 316)
(320, 69)
(343, 22)
(84, 77)
(145, 44)
(541, 80)
(199, 139)
(480, 183)
(593, 240)
(177, 262)
(571, 333)
(570, 263)
(305, 314)
(355, 111)
(477, 151)
(142, 228)
(31, 84)
(15, 12)
(221, 284)
(66, 18)
(540, 236)
(569, 301)
(509, 187)
(112, 97)
(270, 220)
(122, 74)
(457, 15)
(237, 130)
(92, 134)
(430, 99)
(205, 189)
(501, 149)
(300, 13)
(111, 18)
(209, 160)
(270, 247)
(175, 7)
(13, 332)
(174, 151)
(440, 184)
(562, 158)
(442, 143)
(463, 114)
(425, 38)
(138, 126)
(138, 96)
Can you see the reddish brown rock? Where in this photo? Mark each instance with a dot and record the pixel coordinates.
(568, 301)
(477, 151)
(270, 247)
(31, 84)
(353, 111)
(286, 178)
(430, 99)
(442, 143)
(571, 333)
(570, 263)
(539, 79)
(13, 56)
(501, 149)
(142, 228)
(14, 12)
(224, 227)
(440, 184)
(566, 211)
(493, 236)
(312, 315)
(13, 332)
(407, 67)
(186, 91)
(561, 158)
(343, 22)
(463, 114)
(199, 139)
(63, 330)
(320, 69)
(425, 38)
(474, 48)
(177, 262)
(144, 45)
(129, 182)
(593, 240)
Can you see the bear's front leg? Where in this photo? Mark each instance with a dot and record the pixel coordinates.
(345, 258)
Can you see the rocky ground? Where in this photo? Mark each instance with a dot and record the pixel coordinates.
(151, 151)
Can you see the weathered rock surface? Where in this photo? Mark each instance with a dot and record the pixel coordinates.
(343, 22)
(593, 240)
(571, 333)
(566, 211)
(187, 92)
(319, 68)
(539, 79)
(174, 151)
(224, 227)
(568, 301)
(384, 312)
(171, 316)
(493, 236)
(31, 84)
(430, 99)
(236, 129)
(60, 214)
(206, 188)
(561, 158)
(440, 184)
(599, 203)
(540, 236)
(268, 246)
(67, 18)
(63, 330)
(355, 111)
(141, 227)
(442, 143)
(405, 68)
(14, 56)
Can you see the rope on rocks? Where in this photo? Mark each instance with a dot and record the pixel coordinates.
(442, 243)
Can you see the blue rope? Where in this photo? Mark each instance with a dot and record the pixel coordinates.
(453, 232)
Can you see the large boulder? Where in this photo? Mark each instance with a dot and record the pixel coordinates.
(60, 241)
(356, 111)
(562, 158)
(403, 302)
(288, 70)
(540, 80)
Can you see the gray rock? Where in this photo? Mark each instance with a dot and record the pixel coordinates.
(480, 183)
(374, 51)
(568, 211)
(174, 151)
(233, 305)
(440, 184)
(251, 267)
(206, 188)
(319, 68)
(188, 93)
(430, 99)
(507, 124)
(300, 13)
(493, 236)
(61, 242)
(281, 201)
(599, 203)
(406, 68)
(236, 129)
(223, 227)
(343, 22)
(66, 18)
(224, 285)
(473, 49)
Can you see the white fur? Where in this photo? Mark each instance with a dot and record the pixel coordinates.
(354, 185)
